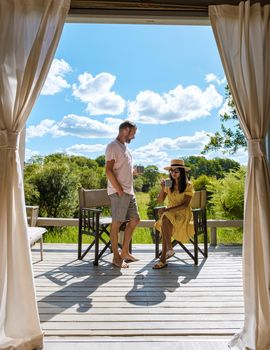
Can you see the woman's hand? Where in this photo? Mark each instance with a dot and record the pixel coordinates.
(161, 211)
(162, 184)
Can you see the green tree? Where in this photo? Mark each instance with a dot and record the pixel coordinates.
(52, 182)
(230, 139)
(57, 187)
(201, 182)
(91, 178)
(30, 190)
(150, 177)
(227, 200)
(138, 183)
(153, 201)
(217, 167)
(101, 161)
(31, 194)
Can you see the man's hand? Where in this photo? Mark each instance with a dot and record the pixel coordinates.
(112, 178)
(120, 192)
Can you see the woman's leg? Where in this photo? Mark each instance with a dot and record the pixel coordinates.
(166, 229)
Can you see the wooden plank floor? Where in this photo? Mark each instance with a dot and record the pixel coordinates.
(76, 298)
(131, 344)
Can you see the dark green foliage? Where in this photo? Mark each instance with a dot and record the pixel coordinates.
(101, 161)
(150, 177)
(52, 182)
(57, 186)
(153, 194)
(31, 193)
(216, 167)
(138, 183)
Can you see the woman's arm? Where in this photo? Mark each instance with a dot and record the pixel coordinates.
(162, 194)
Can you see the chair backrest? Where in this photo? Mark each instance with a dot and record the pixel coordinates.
(199, 200)
(32, 214)
(93, 198)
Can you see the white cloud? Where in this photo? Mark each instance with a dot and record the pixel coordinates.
(225, 108)
(55, 81)
(29, 153)
(180, 104)
(96, 92)
(84, 149)
(46, 126)
(241, 156)
(86, 127)
(213, 78)
(160, 150)
(75, 125)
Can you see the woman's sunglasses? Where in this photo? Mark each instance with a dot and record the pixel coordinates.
(175, 171)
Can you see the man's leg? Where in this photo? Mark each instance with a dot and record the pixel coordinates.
(134, 219)
(127, 238)
(117, 259)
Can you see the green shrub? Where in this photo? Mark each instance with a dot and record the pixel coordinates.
(228, 195)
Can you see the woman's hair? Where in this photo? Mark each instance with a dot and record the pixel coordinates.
(182, 182)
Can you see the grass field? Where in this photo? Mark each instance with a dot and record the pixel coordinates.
(141, 235)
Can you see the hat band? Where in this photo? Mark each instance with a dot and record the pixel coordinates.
(177, 165)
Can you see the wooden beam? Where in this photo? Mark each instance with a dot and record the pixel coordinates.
(138, 8)
(61, 222)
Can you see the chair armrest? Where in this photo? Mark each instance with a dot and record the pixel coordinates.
(89, 218)
(94, 210)
(156, 209)
(197, 210)
(35, 234)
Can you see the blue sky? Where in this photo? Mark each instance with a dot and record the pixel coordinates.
(168, 79)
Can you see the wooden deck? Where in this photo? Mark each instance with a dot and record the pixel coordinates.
(76, 299)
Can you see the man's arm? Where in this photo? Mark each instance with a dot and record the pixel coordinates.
(112, 178)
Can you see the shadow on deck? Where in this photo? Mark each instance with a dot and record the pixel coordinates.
(76, 298)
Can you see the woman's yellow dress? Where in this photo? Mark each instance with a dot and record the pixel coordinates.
(183, 228)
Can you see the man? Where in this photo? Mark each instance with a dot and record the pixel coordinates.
(119, 172)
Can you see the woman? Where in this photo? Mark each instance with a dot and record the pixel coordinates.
(175, 219)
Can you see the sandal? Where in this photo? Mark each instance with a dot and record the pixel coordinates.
(170, 253)
(159, 265)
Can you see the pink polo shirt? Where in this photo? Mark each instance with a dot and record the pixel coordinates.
(123, 167)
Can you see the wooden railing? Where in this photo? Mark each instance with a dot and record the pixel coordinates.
(211, 223)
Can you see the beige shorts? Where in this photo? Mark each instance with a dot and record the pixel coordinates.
(123, 208)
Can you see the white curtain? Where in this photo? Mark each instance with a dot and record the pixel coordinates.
(29, 34)
(243, 37)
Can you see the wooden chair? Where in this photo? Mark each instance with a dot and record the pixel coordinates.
(198, 205)
(35, 233)
(92, 223)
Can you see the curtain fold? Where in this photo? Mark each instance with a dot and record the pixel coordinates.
(242, 34)
(29, 33)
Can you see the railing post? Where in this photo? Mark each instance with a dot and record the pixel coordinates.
(213, 240)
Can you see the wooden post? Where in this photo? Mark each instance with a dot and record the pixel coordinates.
(267, 145)
(32, 214)
(213, 241)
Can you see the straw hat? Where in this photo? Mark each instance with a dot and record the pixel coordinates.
(177, 163)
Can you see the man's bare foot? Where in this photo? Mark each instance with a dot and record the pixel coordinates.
(120, 263)
(128, 257)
